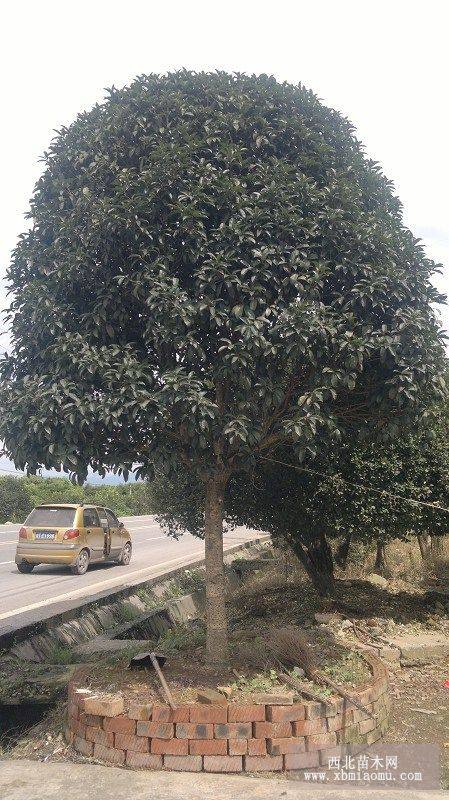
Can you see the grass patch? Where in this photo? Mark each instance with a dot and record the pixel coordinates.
(182, 637)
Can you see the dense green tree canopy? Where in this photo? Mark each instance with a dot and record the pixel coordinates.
(213, 265)
(214, 269)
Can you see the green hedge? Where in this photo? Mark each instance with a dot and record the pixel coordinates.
(19, 495)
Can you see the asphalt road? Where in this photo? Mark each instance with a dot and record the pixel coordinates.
(153, 554)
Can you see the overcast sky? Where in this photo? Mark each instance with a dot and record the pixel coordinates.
(382, 64)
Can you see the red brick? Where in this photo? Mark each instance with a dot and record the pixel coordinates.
(141, 711)
(373, 736)
(307, 726)
(234, 730)
(204, 713)
(77, 728)
(320, 741)
(139, 744)
(340, 721)
(237, 747)
(91, 720)
(108, 754)
(257, 747)
(223, 763)
(143, 760)
(83, 747)
(208, 747)
(367, 725)
(277, 747)
(79, 697)
(119, 725)
(171, 747)
(184, 763)
(158, 730)
(330, 752)
(301, 760)
(73, 709)
(272, 730)
(167, 714)
(245, 712)
(314, 710)
(286, 713)
(104, 706)
(192, 730)
(99, 736)
(365, 696)
(263, 763)
(334, 706)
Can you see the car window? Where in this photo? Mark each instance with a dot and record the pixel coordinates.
(103, 519)
(91, 519)
(112, 519)
(51, 517)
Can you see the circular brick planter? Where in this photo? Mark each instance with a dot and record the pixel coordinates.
(234, 737)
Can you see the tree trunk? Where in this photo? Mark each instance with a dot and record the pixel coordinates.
(216, 616)
(316, 558)
(436, 546)
(341, 556)
(424, 545)
(381, 564)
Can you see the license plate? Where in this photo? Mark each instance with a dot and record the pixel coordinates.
(47, 535)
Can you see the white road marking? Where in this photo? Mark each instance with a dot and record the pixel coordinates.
(89, 587)
(14, 541)
(6, 562)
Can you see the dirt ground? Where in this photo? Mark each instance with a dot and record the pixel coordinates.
(420, 711)
(273, 598)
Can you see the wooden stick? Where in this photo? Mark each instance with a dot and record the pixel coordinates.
(302, 689)
(318, 677)
(164, 684)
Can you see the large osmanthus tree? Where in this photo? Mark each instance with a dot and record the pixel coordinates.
(213, 269)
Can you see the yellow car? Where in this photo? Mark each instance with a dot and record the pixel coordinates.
(72, 534)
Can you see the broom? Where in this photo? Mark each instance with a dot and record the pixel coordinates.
(291, 649)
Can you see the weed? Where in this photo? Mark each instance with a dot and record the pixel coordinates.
(192, 580)
(261, 682)
(126, 612)
(350, 668)
(60, 654)
(182, 637)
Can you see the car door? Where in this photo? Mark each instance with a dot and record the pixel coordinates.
(104, 522)
(117, 540)
(94, 533)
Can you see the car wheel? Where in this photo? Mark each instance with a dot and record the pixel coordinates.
(25, 567)
(81, 563)
(125, 555)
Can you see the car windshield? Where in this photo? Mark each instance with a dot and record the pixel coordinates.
(51, 517)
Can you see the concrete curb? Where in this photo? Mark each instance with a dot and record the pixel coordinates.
(33, 780)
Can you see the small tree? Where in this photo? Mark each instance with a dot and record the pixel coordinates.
(214, 269)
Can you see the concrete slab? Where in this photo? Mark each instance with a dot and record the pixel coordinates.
(425, 648)
(35, 780)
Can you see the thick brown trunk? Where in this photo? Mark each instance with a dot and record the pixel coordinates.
(316, 558)
(381, 566)
(342, 553)
(424, 545)
(216, 616)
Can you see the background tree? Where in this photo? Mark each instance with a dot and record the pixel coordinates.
(354, 492)
(213, 270)
(15, 502)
